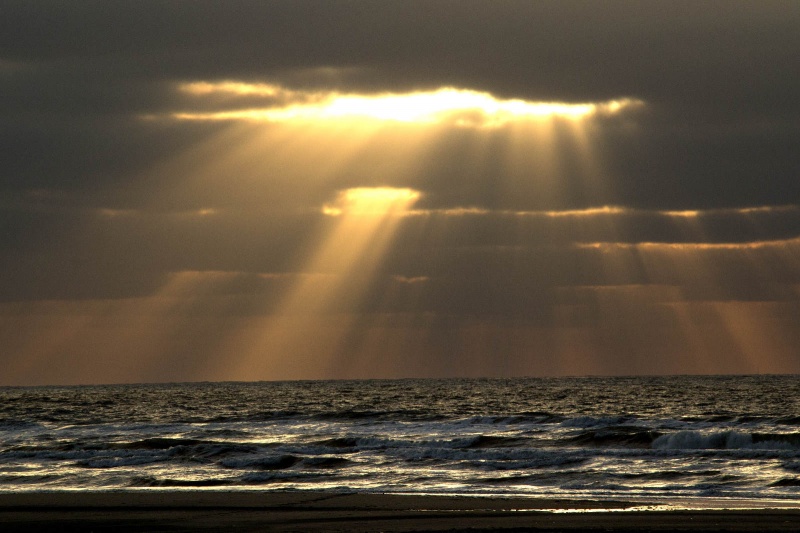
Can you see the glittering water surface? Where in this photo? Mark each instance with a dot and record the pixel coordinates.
(718, 437)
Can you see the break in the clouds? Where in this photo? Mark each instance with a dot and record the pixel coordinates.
(281, 190)
(459, 107)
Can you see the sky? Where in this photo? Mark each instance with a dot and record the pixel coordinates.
(277, 190)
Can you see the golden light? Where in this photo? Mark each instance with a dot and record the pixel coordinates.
(273, 147)
(287, 343)
(699, 298)
(461, 107)
(588, 212)
(236, 88)
(133, 333)
(683, 214)
(318, 136)
(379, 201)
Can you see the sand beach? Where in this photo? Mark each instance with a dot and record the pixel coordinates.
(329, 512)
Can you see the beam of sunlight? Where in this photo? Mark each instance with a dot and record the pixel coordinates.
(326, 135)
(729, 307)
(455, 143)
(323, 303)
(40, 334)
(131, 334)
(163, 336)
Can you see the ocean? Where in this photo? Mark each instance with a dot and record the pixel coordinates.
(734, 437)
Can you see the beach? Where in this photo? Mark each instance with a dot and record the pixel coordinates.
(328, 512)
(571, 454)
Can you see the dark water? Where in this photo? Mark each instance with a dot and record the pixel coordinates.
(717, 437)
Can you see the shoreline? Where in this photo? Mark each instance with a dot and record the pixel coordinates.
(361, 512)
(170, 497)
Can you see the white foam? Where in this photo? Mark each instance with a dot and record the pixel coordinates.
(726, 440)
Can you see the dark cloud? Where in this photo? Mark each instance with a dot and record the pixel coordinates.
(713, 58)
(716, 76)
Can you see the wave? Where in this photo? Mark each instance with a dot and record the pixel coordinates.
(668, 475)
(115, 454)
(211, 450)
(792, 439)
(537, 417)
(593, 421)
(222, 432)
(117, 461)
(326, 462)
(595, 478)
(378, 415)
(727, 440)
(786, 482)
(554, 436)
(614, 436)
(500, 458)
(23, 479)
(338, 442)
(17, 424)
(792, 466)
(495, 441)
(732, 420)
(256, 478)
(156, 443)
(150, 481)
(374, 443)
(282, 462)
(508, 480)
(537, 461)
(515, 419)
(278, 462)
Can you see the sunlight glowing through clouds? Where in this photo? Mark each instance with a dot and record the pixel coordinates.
(339, 272)
(331, 139)
(461, 107)
(380, 201)
(200, 88)
(647, 274)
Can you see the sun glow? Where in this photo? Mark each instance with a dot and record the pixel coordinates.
(237, 88)
(379, 201)
(460, 107)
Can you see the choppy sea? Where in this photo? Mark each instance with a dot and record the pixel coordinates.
(639, 437)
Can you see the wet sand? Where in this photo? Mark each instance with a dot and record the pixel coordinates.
(329, 512)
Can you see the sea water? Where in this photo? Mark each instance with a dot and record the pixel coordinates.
(734, 437)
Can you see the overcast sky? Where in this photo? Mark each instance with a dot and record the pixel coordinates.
(302, 190)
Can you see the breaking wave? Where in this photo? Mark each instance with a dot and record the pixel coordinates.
(592, 438)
